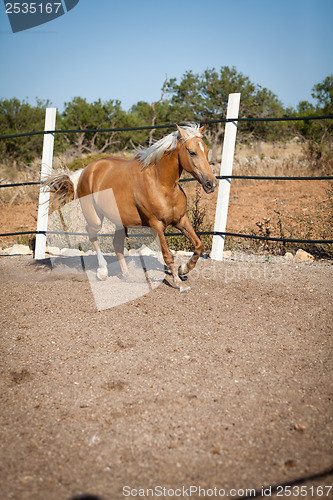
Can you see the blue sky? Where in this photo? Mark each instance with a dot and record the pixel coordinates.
(122, 49)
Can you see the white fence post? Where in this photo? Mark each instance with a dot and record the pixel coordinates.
(44, 196)
(224, 184)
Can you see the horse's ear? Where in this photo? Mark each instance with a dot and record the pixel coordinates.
(202, 129)
(182, 133)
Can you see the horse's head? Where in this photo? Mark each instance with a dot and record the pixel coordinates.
(193, 157)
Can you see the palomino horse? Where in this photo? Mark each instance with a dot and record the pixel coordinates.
(146, 193)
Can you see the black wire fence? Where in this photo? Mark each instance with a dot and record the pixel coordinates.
(189, 179)
(172, 125)
(199, 233)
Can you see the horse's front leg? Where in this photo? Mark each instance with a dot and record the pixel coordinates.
(186, 228)
(169, 259)
(118, 245)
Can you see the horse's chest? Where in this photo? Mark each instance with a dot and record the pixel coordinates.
(172, 207)
(167, 206)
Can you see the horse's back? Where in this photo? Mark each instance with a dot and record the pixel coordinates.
(120, 176)
(105, 173)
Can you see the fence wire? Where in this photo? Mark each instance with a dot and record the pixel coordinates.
(190, 179)
(199, 233)
(172, 125)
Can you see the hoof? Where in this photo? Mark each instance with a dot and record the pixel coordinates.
(182, 270)
(102, 274)
(183, 289)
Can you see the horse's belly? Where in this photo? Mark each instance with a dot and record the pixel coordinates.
(114, 197)
(118, 209)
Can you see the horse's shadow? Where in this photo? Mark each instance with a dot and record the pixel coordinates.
(65, 265)
(86, 497)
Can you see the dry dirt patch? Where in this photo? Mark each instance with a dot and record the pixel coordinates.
(226, 386)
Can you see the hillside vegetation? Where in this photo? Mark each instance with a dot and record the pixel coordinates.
(194, 98)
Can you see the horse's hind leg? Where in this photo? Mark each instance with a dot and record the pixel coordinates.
(102, 271)
(118, 244)
(186, 228)
(94, 225)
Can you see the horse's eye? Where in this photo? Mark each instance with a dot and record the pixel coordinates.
(193, 153)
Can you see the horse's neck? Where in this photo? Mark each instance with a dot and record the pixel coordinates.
(169, 170)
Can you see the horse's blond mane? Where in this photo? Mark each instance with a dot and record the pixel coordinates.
(154, 153)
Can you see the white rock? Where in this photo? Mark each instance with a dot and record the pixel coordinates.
(288, 255)
(90, 252)
(19, 250)
(5, 251)
(143, 250)
(302, 255)
(53, 250)
(70, 252)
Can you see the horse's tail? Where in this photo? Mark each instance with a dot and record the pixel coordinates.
(63, 185)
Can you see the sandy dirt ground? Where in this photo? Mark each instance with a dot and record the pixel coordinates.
(227, 386)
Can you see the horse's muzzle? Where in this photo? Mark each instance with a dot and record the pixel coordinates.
(209, 185)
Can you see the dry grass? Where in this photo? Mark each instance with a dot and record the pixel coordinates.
(10, 173)
(274, 159)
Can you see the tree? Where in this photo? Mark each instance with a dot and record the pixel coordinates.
(317, 135)
(143, 114)
(79, 114)
(323, 94)
(205, 97)
(20, 117)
